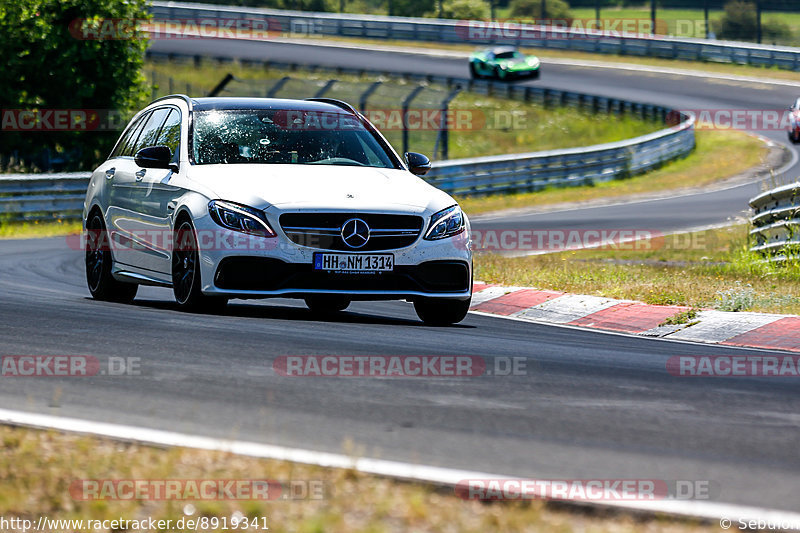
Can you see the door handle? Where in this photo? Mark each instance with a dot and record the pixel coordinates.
(110, 173)
(140, 175)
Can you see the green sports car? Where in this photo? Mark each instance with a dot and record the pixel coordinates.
(503, 62)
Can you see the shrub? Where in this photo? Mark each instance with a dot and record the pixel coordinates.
(465, 9)
(555, 9)
(740, 23)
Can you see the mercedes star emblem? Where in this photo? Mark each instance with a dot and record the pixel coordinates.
(355, 233)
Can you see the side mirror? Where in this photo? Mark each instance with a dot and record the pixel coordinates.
(155, 157)
(418, 164)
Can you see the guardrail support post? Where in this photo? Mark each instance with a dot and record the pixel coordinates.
(324, 89)
(362, 103)
(443, 127)
(221, 85)
(406, 103)
(278, 86)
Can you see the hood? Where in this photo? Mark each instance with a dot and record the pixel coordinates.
(323, 186)
(518, 64)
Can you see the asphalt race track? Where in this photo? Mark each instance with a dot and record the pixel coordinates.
(591, 405)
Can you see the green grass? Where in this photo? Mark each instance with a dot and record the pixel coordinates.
(485, 125)
(708, 269)
(30, 230)
(38, 467)
(709, 162)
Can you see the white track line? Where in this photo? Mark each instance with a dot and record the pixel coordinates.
(380, 467)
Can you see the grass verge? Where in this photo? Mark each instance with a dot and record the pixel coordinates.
(707, 269)
(31, 230)
(37, 469)
(711, 161)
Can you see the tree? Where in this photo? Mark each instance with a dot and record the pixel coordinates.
(532, 9)
(55, 59)
(740, 23)
(465, 9)
(413, 8)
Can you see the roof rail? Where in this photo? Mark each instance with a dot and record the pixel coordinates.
(337, 103)
(187, 99)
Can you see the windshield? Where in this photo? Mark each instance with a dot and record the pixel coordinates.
(509, 55)
(284, 136)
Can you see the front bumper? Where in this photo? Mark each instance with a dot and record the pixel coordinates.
(278, 267)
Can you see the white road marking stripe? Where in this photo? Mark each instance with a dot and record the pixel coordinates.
(380, 467)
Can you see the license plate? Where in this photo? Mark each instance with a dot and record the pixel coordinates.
(354, 262)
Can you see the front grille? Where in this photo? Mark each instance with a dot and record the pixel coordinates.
(268, 274)
(323, 230)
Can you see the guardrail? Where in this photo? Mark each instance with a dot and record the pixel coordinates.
(37, 197)
(562, 168)
(49, 196)
(776, 222)
(313, 24)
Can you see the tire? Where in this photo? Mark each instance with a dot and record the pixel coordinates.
(441, 312)
(327, 304)
(186, 282)
(498, 73)
(473, 72)
(98, 260)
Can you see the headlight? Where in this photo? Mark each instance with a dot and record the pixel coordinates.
(240, 218)
(533, 62)
(445, 223)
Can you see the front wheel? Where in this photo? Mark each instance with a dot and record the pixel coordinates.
(186, 281)
(98, 260)
(441, 312)
(473, 72)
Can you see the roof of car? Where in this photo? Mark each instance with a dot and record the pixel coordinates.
(501, 49)
(207, 104)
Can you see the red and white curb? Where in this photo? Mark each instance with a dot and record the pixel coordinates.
(757, 330)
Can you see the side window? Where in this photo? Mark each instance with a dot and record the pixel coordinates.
(131, 141)
(150, 132)
(170, 135)
(123, 141)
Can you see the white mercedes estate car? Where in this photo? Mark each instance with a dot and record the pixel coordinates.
(222, 198)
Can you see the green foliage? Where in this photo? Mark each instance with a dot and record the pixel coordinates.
(740, 23)
(48, 66)
(465, 9)
(414, 8)
(554, 9)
